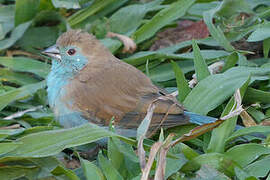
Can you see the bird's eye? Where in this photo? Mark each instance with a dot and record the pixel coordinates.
(71, 52)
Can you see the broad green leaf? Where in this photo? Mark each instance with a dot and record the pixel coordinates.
(259, 168)
(201, 68)
(7, 147)
(164, 71)
(209, 173)
(241, 174)
(12, 132)
(6, 19)
(261, 33)
(256, 95)
(215, 89)
(126, 150)
(24, 64)
(120, 20)
(244, 154)
(46, 165)
(182, 84)
(255, 3)
(14, 77)
(19, 93)
(60, 170)
(91, 171)
(216, 32)
(7, 13)
(248, 130)
(108, 169)
(99, 16)
(5, 133)
(49, 143)
(68, 4)
(18, 172)
(198, 8)
(242, 61)
(25, 10)
(115, 156)
(257, 115)
(215, 160)
(162, 18)
(174, 165)
(217, 142)
(95, 7)
(209, 41)
(266, 47)
(141, 57)
(16, 34)
(187, 151)
(231, 61)
(38, 38)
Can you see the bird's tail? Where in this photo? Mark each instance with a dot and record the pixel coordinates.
(199, 119)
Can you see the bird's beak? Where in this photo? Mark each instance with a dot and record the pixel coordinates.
(52, 52)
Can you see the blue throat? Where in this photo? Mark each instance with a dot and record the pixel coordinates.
(58, 78)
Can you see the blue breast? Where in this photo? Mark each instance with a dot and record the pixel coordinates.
(57, 80)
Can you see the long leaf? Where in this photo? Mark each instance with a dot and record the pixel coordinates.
(201, 68)
(16, 34)
(89, 11)
(216, 32)
(49, 143)
(110, 172)
(182, 84)
(215, 89)
(91, 171)
(162, 18)
(24, 91)
(23, 64)
(25, 10)
(217, 142)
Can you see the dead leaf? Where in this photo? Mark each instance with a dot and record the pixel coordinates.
(154, 150)
(247, 120)
(129, 45)
(186, 30)
(21, 113)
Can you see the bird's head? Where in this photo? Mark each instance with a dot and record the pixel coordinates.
(74, 49)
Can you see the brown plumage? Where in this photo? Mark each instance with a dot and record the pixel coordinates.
(107, 87)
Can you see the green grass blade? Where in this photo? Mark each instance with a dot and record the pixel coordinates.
(108, 169)
(216, 32)
(23, 64)
(215, 89)
(201, 67)
(25, 10)
(12, 95)
(217, 142)
(81, 15)
(162, 18)
(49, 143)
(182, 84)
(230, 62)
(91, 171)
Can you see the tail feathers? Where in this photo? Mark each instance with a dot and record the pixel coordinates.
(199, 119)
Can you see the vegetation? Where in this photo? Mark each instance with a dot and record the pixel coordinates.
(237, 33)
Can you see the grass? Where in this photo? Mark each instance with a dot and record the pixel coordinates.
(34, 146)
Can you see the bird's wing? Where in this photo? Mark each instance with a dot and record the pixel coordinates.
(116, 89)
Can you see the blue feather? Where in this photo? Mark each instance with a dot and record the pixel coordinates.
(57, 80)
(199, 119)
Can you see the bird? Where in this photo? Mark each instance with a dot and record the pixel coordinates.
(88, 84)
